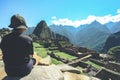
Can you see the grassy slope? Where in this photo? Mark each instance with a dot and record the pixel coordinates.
(42, 52)
(94, 65)
(65, 56)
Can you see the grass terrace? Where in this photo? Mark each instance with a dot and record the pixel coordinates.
(42, 52)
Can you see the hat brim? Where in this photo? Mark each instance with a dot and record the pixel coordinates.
(21, 27)
(10, 26)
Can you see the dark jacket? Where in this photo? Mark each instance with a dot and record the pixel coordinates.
(16, 49)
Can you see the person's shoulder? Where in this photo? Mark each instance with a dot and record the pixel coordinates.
(26, 37)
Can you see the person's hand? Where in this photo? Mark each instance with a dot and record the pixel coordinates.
(31, 56)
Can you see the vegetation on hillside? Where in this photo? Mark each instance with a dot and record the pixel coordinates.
(112, 41)
(115, 52)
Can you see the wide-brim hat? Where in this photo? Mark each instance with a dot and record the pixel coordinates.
(17, 22)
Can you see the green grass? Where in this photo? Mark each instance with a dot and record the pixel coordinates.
(94, 65)
(54, 61)
(65, 56)
(42, 52)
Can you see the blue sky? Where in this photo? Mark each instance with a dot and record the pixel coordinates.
(58, 11)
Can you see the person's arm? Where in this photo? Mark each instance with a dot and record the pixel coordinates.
(30, 49)
(31, 53)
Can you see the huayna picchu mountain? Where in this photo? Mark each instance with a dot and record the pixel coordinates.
(43, 32)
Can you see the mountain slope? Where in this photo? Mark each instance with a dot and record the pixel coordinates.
(67, 31)
(116, 27)
(112, 41)
(93, 35)
(113, 26)
(90, 36)
(29, 30)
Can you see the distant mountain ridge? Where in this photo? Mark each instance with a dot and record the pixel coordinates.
(29, 30)
(92, 35)
(66, 31)
(113, 26)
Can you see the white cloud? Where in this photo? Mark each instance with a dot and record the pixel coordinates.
(118, 11)
(54, 17)
(108, 18)
(88, 20)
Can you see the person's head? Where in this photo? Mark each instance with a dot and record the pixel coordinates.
(18, 23)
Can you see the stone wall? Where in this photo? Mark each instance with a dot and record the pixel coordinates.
(80, 63)
(106, 74)
(85, 50)
(113, 66)
(58, 58)
(69, 51)
(98, 62)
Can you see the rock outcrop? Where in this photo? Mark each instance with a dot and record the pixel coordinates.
(51, 72)
(45, 61)
(41, 73)
(2, 72)
(0, 54)
(73, 76)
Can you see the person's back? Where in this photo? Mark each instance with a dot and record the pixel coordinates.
(17, 49)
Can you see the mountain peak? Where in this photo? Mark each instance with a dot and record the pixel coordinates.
(42, 29)
(42, 23)
(96, 22)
